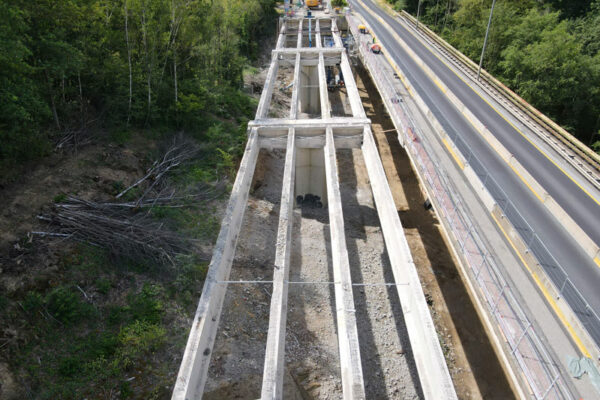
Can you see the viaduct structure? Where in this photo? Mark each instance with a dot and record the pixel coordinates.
(310, 136)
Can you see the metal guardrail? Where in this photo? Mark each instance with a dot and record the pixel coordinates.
(538, 367)
(549, 126)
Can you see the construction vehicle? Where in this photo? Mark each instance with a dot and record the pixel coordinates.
(313, 3)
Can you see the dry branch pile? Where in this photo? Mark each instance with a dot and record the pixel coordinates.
(180, 152)
(129, 229)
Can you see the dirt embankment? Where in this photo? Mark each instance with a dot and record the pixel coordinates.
(74, 321)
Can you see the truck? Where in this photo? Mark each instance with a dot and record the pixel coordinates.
(313, 3)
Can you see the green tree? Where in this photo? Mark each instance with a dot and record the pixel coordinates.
(570, 8)
(538, 48)
(587, 29)
(545, 64)
(121, 63)
(22, 107)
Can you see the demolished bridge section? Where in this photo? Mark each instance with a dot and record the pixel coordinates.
(310, 135)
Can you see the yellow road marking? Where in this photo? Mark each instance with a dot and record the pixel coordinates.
(437, 82)
(453, 153)
(525, 182)
(470, 121)
(389, 28)
(547, 295)
(537, 280)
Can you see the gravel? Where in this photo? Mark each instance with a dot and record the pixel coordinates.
(312, 361)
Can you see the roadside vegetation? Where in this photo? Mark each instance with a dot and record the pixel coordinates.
(546, 51)
(339, 3)
(95, 95)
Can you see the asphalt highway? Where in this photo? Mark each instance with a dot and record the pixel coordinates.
(584, 210)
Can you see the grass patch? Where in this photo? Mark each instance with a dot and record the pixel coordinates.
(120, 136)
(59, 198)
(102, 321)
(65, 305)
(79, 350)
(103, 285)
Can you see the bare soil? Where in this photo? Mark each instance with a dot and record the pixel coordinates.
(312, 362)
(91, 171)
(474, 366)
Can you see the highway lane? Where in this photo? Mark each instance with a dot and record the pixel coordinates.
(584, 209)
(583, 272)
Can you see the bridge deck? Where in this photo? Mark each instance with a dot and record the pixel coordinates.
(311, 126)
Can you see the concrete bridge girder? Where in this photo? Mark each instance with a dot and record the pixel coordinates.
(311, 136)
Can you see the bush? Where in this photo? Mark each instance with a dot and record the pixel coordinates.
(147, 305)
(139, 338)
(33, 302)
(59, 198)
(103, 285)
(64, 304)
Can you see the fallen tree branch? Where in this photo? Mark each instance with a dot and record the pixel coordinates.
(178, 153)
(130, 229)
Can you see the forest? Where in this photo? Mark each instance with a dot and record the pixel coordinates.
(547, 51)
(126, 118)
(69, 67)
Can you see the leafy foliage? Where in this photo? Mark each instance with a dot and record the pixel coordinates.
(123, 63)
(64, 304)
(72, 347)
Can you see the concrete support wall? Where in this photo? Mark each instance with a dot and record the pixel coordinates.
(272, 387)
(196, 358)
(310, 174)
(309, 90)
(352, 375)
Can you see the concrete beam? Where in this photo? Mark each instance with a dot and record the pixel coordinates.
(318, 34)
(312, 142)
(299, 40)
(265, 98)
(329, 60)
(272, 386)
(350, 363)
(296, 88)
(336, 122)
(325, 106)
(297, 66)
(352, 90)
(310, 50)
(281, 38)
(339, 131)
(337, 40)
(433, 372)
(196, 358)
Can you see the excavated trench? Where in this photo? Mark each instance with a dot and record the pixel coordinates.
(475, 368)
